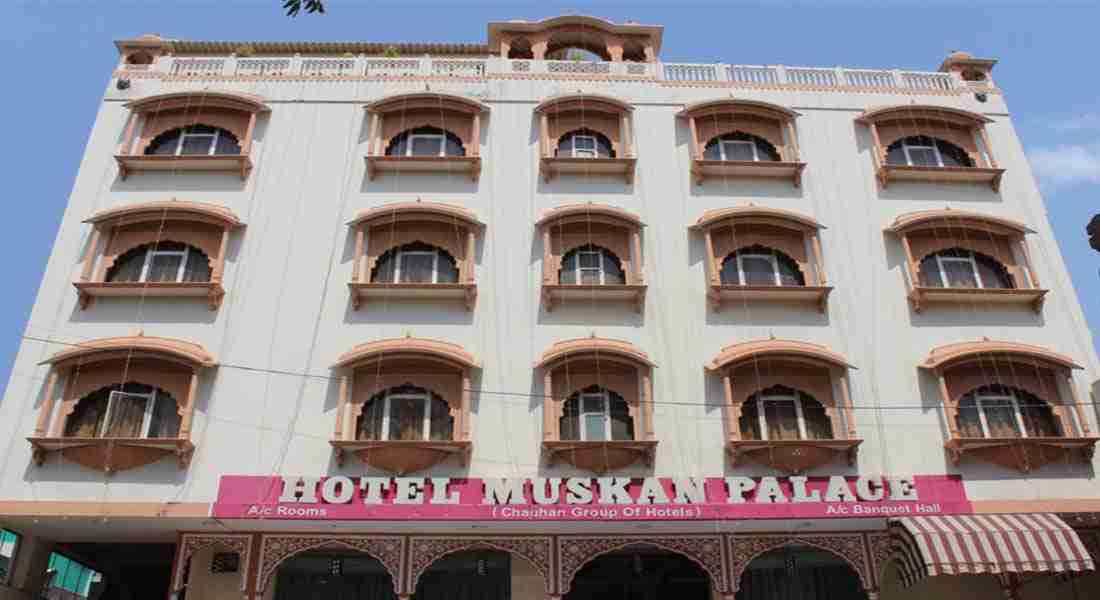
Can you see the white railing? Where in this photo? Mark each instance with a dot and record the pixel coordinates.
(927, 81)
(869, 78)
(458, 67)
(752, 74)
(689, 72)
(270, 67)
(197, 67)
(327, 67)
(401, 67)
(768, 75)
(810, 76)
(578, 66)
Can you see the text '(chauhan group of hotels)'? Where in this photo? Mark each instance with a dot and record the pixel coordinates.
(549, 318)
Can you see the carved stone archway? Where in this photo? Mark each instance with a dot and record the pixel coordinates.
(424, 551)
(707, 551)
(849, 547)
(192, 543)
(388, 550)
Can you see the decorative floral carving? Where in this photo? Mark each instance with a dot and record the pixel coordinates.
(229, 543)
(426, 550)
(847, 546)
(705, 550)
(880, 548)
(276, 548)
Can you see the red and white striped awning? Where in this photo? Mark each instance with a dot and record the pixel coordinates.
(955, 545)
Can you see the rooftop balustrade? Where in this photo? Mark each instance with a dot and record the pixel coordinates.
(680, 73)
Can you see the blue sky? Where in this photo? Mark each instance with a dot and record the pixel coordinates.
(59, 57)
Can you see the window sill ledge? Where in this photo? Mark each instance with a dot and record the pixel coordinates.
(552, 166)
(402, 457)
(802, 294)
(600, 457)
(362, 293)
(89, 290)
(111, 455)
(143, 162)
(792, 456)
(703, 168)
(888, 173)
(556, 293)
(923, 296)
(470, 165)
(1023, 454)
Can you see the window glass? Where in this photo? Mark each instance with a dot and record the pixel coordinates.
(126, 415)
(165, 144)
(969, 422)
(1000, 417)
(165, 421)
(1039, 420)
(196, 144)
(9, 543)
(781, 417)
(993, 273)
(370, 422)
(739, 150)
(758, 270)
(923, 157)
(818, 424)
(442, 422)
(750, 419)
(959, 273)
(416, 267)
(227, 144)
(164, 267)
(426, 146)
(594, 427)
(622, 424)
(406, 418)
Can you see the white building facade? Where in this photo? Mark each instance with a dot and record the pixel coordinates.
(529, 317)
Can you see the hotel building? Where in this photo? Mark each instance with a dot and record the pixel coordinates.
(547, 317)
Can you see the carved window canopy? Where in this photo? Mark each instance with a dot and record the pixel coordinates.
(540, 40)
(960, 128)
(591, 228)
(781, 233)
(205, 227)
(395, 116)
(578, 372)
(370, 372)
(1042, 376)
(808, 372)
(595, 115)
(230, 111)
(926, 234)
(91, 367)
(774, 125)
(381, 231)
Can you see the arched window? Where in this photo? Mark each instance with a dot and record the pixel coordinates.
(194, 140)
(426, 141)
(415, 263)
(596, 414)
(925, 151)
(139, 58)
(406, 413)
(740, 146)
(591, 265)
(782, 413)
(161, 262)
(759, 265)
(960, 268)
(998, 411)
(520, 48)
(584, 143)
(633, 51)
(133, 410)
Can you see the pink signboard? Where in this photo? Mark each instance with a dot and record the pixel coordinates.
(584, 498)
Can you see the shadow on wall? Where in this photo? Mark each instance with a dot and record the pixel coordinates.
(137, 311)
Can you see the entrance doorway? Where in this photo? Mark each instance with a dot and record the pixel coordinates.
(800, 573)
(472, 575)
(333, 574)
(641, 574)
